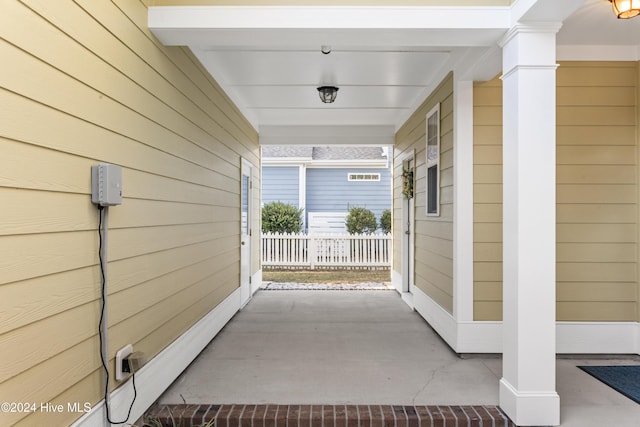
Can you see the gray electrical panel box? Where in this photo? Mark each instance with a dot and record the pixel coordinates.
(106, 184)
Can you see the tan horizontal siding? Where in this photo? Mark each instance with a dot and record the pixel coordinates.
(88, 83)
(596, 193)
(596, 174)
(486, 310)
(596, 291)
(94, 142)
(588, 134)
(596, 252)
(487, 213)
(596, 213)
(485, 134)
(487, 252)
(601, 311)
(23, 214)
(31, 300)
(595, 155)
(487, 197)
(573, 115)
(433, 235)
(596, 96)
(596, 233)
(75, 370)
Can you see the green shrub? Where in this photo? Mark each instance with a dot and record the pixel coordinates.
(278, 217)
(361, 220)
(385, 221)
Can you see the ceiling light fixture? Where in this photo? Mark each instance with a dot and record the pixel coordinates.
(327, 93)
(625, 9)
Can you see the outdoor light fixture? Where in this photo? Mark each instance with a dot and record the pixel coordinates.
(625, 9)
(327, 93)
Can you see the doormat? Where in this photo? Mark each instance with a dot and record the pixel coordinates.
(289, 286)
(624, 379)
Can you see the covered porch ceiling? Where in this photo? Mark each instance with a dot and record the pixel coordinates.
(385, 60)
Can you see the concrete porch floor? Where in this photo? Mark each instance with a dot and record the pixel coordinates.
(366, 347)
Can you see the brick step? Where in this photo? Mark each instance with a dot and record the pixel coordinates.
(325, 416)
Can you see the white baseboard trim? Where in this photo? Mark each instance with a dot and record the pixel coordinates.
(479, 337)
(598, 337)
(486, 337)
(407, 297)
(158, 374)
(439, 318)
(256, 281)
(396, 280)
(530, 408)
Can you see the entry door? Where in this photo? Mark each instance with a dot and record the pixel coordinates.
(245, 233)
(408, 236)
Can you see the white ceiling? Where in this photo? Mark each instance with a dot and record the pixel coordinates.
(384, 60)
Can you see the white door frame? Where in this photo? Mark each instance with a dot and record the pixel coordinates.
(408, 231)
(246, 220)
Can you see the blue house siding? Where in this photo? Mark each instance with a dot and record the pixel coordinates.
(329, 190)
(280, 184)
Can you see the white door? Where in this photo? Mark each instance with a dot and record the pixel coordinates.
(408, 236)
(245, 233)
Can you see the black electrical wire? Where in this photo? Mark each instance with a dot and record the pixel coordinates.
(102, 311)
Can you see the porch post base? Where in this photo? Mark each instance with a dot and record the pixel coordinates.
(530, 408)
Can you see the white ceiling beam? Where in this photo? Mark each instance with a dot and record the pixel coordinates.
(327, 135)
(303, 26)
(329, 17)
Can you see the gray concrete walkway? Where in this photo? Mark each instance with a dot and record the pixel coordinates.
(365, 347)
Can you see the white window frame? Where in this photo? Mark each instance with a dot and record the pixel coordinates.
(432, 162)
(353, 177)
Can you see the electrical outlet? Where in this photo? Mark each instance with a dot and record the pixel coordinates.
(120, 356)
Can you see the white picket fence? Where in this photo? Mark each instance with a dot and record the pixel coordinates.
(326, 250)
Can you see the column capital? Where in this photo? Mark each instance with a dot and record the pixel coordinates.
(530, 28)
(529, 46)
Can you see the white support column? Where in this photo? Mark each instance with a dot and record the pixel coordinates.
(463, 201)
(528, 386)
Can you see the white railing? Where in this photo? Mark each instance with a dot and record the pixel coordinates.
(326, 250)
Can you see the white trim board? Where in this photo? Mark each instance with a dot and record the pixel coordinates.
(162, 19)
(157, 375)
(256, 281)
(319, 135)
(486, 337)
(463, 195)
(597, 53)
(396, 280)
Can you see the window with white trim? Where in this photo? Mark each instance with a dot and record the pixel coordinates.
(433, 161)
(364, 176)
